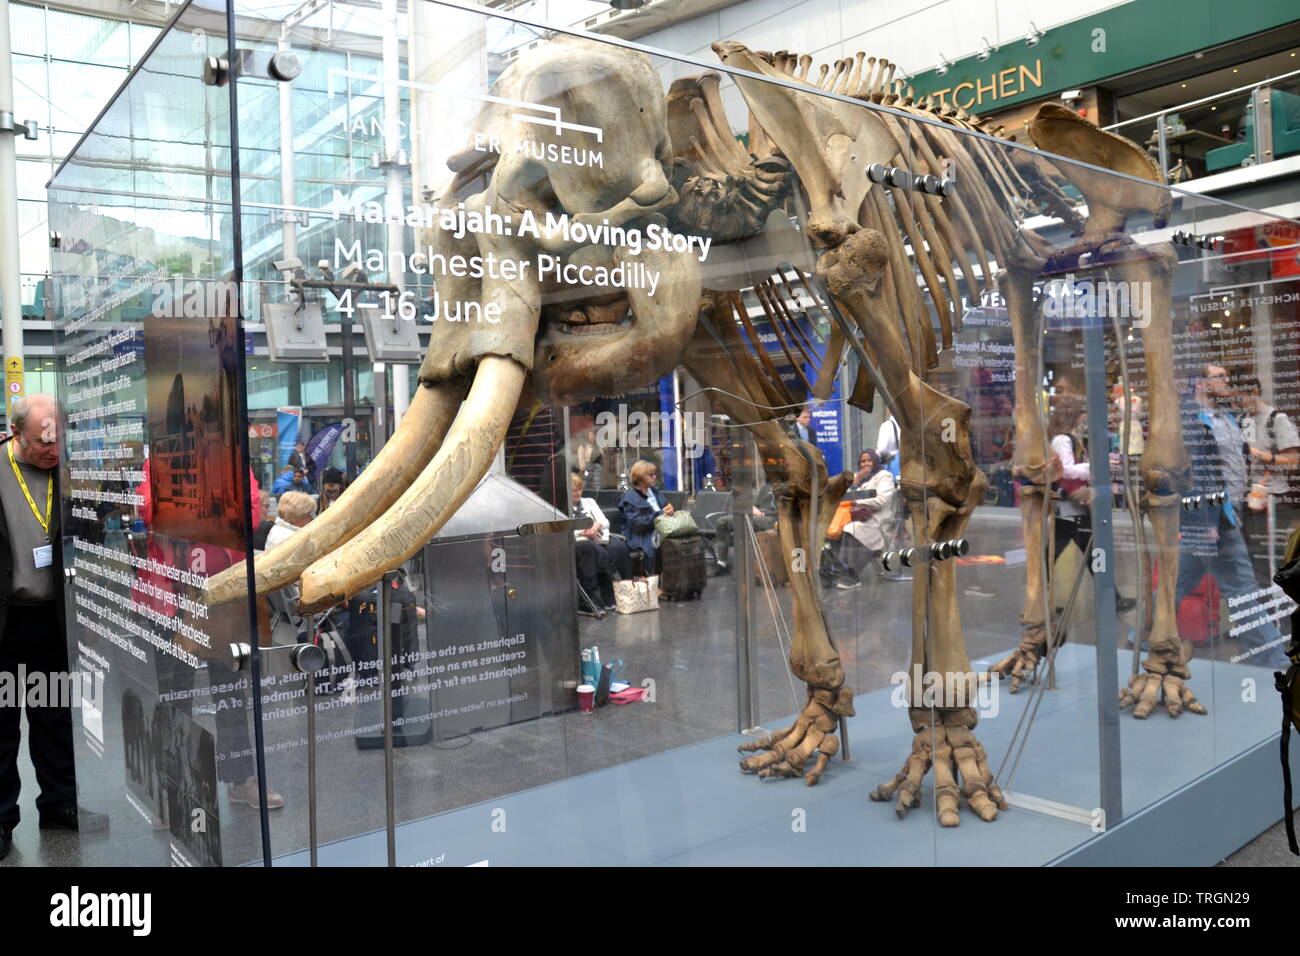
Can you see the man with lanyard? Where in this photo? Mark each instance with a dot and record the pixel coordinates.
(31, 619)
(1211, 540)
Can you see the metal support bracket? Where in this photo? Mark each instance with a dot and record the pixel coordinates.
(27, 128)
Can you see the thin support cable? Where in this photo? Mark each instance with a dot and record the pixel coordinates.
(774, 608)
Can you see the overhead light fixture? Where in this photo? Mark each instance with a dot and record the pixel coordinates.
(627, 4)
(943, 66)
(988, 50)
(1035, 35)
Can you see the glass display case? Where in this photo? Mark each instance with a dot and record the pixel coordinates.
(987, 451)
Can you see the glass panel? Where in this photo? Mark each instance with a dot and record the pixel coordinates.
(31, 91)
(81, 92)
(1238, 325)
(89, 40)
(473, 198)
(32, 177)
(148, 345)
(27, 29)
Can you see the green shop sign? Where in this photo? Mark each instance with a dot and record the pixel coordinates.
(1125, 38)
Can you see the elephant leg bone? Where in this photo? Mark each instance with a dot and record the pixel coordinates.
(943, 739)
(1029, 465)
(1164, 466)
(813, 657)
(941, 716)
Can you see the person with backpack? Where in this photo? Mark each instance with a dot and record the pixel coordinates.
(1272, 450)
(1210, 539)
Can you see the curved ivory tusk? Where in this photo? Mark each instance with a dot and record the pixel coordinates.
(433, 497)
(392, 471)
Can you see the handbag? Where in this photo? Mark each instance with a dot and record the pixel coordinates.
(843, 515)
(679, 524)
(631, 597)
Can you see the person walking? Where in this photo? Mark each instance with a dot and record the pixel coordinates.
(1211, 540)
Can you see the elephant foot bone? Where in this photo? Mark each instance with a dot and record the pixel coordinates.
(944, 741)
(1021, 663)
(786, 752)
(1164, 682)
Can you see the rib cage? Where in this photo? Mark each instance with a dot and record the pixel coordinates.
(969, 233)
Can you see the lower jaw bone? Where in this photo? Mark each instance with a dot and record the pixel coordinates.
(432, 498)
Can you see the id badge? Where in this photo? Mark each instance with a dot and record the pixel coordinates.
(43, 556)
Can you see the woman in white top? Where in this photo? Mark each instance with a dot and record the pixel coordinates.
(1073, 518)
(599, 554)
(293, 512)
(872, 493)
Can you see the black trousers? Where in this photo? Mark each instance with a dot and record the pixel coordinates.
(596, 561)
(33, 641)
(1077, 528)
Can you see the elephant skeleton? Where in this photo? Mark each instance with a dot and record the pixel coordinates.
(675, 163)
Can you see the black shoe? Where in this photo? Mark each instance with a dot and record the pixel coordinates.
(1123, 604)
(74, 818)
(6, 841)
(587, 609)
(722, 569)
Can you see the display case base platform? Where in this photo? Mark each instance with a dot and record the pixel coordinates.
(1194, 790)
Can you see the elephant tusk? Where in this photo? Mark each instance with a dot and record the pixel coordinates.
(432, 498)
(393, 469)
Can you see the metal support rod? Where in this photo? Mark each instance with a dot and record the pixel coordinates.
(679, 430)
(1163, 145)
(1103, 584)
(1261, 102)
(11, 303)
(742, 501)
(349, 396)
(383, 615)
(379, 432)
(312, 836)
(395, 192)
(288, 185)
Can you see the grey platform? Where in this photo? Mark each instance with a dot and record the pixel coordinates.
(1194, 790)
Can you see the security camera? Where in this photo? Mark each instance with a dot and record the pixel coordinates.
(1072, 96)
(286, 265)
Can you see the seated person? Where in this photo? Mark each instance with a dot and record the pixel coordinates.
(863, 538)
(292, 480)
(763, 514)
(294, 512)
(599, 554)
(639, 508)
